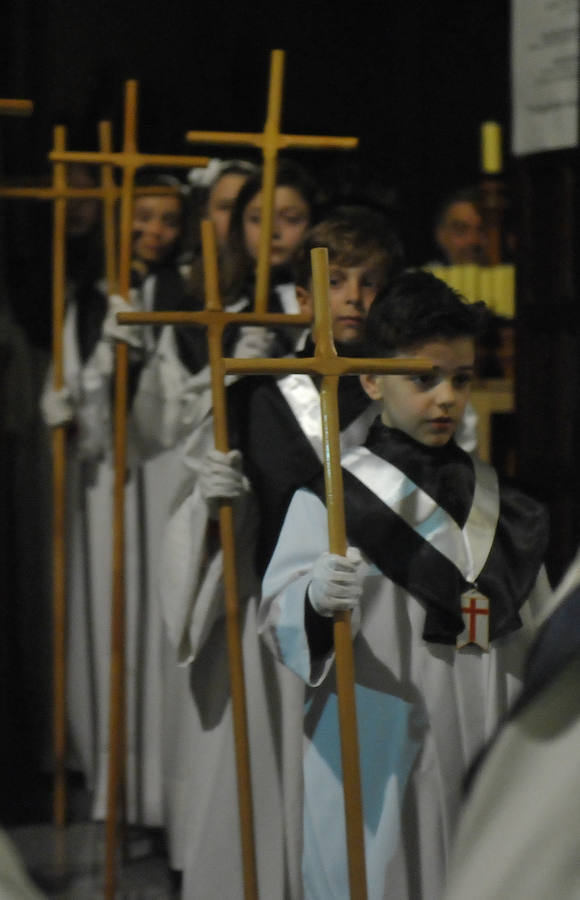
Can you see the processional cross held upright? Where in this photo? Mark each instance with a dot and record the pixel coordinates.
(330, 366)
(270, 141)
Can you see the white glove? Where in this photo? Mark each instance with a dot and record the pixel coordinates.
(336, 584)
(221, 477)
(254, 342)
(113, 331)
(57, 407)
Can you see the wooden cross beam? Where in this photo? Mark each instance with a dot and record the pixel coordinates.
(270, 141)
(16, 107)
(330, 366)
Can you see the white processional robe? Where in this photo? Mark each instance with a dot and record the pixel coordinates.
(90, 480)
(424, 709)
(200, 762)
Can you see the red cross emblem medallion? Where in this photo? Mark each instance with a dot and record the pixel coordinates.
(475, 612)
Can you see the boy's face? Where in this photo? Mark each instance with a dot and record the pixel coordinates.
(352, 290)
(427, 407)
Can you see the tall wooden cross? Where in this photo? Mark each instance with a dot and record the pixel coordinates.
(129, 160)
(330, 366)
(270, 141)
(118, 276)
(58, 192)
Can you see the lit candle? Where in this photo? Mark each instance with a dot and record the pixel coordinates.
(491, 148)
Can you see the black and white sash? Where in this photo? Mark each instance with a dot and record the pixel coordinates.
(303, 398)
(416, 543)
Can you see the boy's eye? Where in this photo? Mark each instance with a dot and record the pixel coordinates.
(462, 379)
(425, 380)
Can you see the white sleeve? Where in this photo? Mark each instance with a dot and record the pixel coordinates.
(191, 584)
(303, 538)
(170, 402)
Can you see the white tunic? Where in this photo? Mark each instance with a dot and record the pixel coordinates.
(423, 712)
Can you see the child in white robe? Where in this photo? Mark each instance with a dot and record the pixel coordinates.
(364, 251)
(432, 534)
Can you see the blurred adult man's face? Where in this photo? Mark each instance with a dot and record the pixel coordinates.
(461, 235)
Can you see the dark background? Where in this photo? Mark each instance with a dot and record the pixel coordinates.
(412, 80)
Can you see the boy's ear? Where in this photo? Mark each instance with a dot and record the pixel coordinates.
(304, 298)
(372, 385)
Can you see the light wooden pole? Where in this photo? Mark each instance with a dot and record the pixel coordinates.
(58, 193)
(270, 141)
(330, 366)
(59, 486)
(130, 159)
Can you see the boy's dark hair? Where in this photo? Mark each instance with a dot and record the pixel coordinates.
(417, 307)
(352, 233)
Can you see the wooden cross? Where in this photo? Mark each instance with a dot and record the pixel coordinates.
(58, 192)
(270, 141)
(130, 159)
(330, 366)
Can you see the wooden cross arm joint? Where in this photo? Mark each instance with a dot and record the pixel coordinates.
(127, 159)
(307, 141)
(51, 193)
(284, 141)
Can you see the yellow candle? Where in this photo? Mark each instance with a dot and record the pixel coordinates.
(491, 162)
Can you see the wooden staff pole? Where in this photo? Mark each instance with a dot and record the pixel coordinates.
(233, 626)
(271, 133)
(109, 198)
(117, 724)
(59, 488)
(345, 674)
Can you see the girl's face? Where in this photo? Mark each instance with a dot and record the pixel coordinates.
(156, 226)
(221, 202)
(290, 221)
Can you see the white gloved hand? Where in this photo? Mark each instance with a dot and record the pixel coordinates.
(336, 584)
(57, 407)
(254, 342)
(221, 477)
(113, 331)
